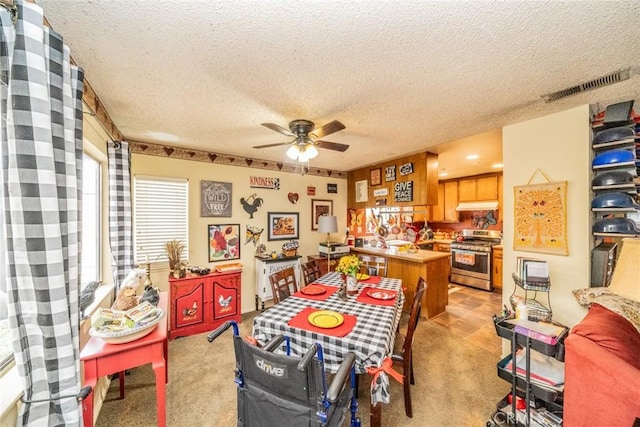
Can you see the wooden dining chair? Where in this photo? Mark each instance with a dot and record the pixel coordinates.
(283, 284)
(373, 265)
(402, 346)
(311, 272)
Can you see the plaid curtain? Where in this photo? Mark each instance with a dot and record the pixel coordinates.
(41, 115)
(120, 222)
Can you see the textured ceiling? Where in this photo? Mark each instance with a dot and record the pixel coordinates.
(403, 76)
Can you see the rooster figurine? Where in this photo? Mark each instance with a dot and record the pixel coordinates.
(251, 207)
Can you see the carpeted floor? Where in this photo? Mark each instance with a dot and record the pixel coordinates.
(456, 384)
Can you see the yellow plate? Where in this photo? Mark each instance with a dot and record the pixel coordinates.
(362, 276)
(325, 319)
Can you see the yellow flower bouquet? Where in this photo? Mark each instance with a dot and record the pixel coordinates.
(349, 265)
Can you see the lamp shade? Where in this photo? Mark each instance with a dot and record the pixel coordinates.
(626, 276)
(328, 224)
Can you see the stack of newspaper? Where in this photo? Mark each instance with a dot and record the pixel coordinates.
(107, 319)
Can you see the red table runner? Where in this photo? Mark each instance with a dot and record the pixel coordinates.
(365, 298)
(330, 290)
(301, 320)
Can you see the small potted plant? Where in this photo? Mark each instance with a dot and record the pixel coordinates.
(349, 266)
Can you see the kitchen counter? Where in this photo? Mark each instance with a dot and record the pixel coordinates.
(434, 267)
(444, 241)
(422, 256)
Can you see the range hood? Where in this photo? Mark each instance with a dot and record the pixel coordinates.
(487, 205)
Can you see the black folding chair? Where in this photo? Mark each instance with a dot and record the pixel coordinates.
(282, 390)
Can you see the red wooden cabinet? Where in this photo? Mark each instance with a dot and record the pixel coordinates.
(202, 303)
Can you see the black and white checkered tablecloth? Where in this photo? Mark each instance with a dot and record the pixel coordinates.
(371, 339)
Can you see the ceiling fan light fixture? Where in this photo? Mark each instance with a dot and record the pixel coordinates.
(311, 151)
(293, 152)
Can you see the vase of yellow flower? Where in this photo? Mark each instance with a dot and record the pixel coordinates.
(349, 266)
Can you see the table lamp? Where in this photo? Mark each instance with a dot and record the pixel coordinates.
(328, 224)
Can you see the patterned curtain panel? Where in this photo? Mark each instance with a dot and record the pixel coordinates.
(120, 222)
(41, 115)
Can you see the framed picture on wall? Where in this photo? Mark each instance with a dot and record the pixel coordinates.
(283, 225)
(375, 177)
(224, 242)
(318, 208)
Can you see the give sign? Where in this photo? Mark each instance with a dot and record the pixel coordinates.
(403, 191)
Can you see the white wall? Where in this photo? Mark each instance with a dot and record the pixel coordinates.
(558, 145)
(274, 201)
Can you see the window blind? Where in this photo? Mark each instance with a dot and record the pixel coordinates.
(161, 212)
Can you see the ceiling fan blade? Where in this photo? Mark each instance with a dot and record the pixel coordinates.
(278, 129)
(327, 129)
(332, 145)
(273, 145)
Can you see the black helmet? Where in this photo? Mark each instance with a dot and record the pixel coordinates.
(615, 225)
(612, 178)
(613, 134)
(614, 200)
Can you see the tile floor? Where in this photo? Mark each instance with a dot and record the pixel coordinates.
(469, 316)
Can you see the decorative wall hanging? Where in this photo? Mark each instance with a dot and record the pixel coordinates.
(215, 198)
(540, 216)
(318, 208)
(403, 191)
(406, 169)
(253, 234)
(293, 197)
(264, 182)
(356, 219)
(224, 242)
(362, 191)
(283, 226)
(332, 188)
(390, 173)
(375, 176)
(311, 190)
(381, 192)
(251, 204)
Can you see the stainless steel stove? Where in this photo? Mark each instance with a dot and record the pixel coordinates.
(471, 258)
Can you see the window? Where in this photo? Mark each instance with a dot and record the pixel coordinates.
(161, 213)
(91, 223)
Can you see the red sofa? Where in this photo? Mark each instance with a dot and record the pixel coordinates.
(602, 371)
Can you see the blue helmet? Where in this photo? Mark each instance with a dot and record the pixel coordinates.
(612, 157)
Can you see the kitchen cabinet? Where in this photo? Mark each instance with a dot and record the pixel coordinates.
(415, 176)
(445, 210)
(478, 189)
(442, 247)
(202, 303)
(496, 273)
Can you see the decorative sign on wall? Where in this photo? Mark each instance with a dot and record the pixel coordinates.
(381, 202)
(251, 204)
(403, 191)
(406, 169)
(264, 182)
(311, 190)
(215, 198)
(362, 191)
(332, 188)
(375, 176)
(390, 173)
(380, 192)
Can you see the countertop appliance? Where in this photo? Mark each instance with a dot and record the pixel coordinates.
(333, 249)
(471, 258)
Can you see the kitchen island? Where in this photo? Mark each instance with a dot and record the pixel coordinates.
(434, 267)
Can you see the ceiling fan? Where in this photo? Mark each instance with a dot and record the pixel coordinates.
(305, 138)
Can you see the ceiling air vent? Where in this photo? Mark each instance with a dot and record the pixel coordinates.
(615, 77)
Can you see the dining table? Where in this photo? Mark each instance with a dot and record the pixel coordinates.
(370, 320)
